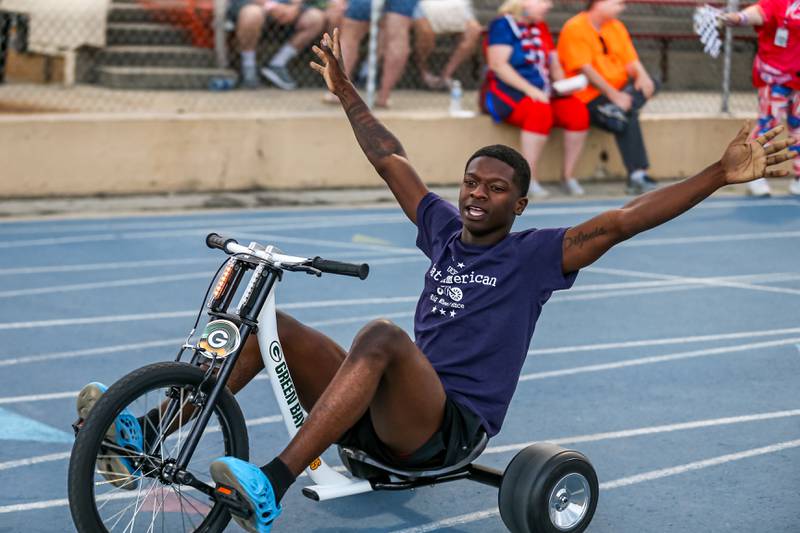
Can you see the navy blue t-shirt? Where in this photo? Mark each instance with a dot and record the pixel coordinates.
(476, 316)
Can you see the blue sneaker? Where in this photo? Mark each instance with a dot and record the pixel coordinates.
(125, 432)
(253, 486)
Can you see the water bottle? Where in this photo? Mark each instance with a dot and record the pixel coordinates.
(221, 84)
(456, 94)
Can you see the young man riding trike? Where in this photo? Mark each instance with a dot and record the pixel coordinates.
(404, 411)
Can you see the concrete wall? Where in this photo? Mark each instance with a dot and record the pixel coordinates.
(63, 155)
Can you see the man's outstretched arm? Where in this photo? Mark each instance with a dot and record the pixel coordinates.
(743, 161)
(382, 148)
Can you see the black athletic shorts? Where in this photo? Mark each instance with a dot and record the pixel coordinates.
(458, 435)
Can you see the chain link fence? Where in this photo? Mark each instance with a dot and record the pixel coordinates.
(186, 55)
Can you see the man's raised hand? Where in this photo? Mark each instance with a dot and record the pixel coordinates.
(330, 54)
(746, 160)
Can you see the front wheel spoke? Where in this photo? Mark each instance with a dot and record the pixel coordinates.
(182, 499)
(118, 514)
(157, 509)
(139, 505)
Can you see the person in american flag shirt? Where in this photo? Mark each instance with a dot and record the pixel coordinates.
(523, 63)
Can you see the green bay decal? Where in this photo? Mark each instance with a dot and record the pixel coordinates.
(221, 338)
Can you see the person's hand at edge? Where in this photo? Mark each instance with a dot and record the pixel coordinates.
(747, 160)
(644, 83)
(537, 95)
(621, 99)
(330, 54)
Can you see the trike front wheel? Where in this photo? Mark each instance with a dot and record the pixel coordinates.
(164, 398)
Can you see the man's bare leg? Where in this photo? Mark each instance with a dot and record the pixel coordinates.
(466, 45)
(248, 31)
(353, 31)
(395, 55)
(386, 373)
(424, 43)
(312, 357)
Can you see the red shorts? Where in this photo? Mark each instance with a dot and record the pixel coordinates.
(538, 117)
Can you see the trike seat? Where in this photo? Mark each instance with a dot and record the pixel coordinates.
(351, 455)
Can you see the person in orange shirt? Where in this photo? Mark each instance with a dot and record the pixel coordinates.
(597, 44)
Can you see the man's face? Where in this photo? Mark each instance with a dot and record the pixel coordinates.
(489, 199)
(611, 9)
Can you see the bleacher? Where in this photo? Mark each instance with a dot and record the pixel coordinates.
(168, 44)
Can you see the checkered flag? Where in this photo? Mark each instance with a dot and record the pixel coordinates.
(706, 25)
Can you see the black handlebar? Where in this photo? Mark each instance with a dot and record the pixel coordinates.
(337, 267)
(215, 240)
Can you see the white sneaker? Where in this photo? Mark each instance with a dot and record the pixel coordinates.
(573, 188)
(537, 191)
(759, 188)
(794, 187)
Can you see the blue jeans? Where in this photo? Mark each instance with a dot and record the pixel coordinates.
(360, 9)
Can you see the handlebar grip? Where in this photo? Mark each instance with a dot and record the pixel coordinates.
(215, 240)
(337, 267)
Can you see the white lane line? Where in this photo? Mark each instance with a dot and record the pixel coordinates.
(35, 460)
(157, 279)
(132, 265)
(254, 232)
(576, 439)
(105, 284)
(38, 397)
(102, 350)
(325, 242)
(182, 314)
(651, 430)
(617, 483)
(713, 281)
(176, 343)
(211, 225)
(559, 297)
(106, 266)
(661, 241)
(763, 278)
(253, 422)
(698, 465)
(660, 342)
(352, 219)
(656, 359)
(56, 241)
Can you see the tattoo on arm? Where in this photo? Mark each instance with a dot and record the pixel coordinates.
(583, 237)
(375, 140)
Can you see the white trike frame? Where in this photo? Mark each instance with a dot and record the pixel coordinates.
(329, 483)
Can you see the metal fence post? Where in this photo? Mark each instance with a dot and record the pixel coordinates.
(220, 40)
(5, 38)
(733, 5)
(372, 58)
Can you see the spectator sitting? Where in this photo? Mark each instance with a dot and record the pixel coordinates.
(306, 21)
(396, 26)
(776, 73)
(436, 17)
(522, 61)
(597, 44)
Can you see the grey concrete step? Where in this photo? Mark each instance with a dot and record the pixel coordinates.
(157, 56)
(145, 34)
(161, 78)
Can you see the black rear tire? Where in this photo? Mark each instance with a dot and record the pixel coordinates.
(82, 476)
(537, 475)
